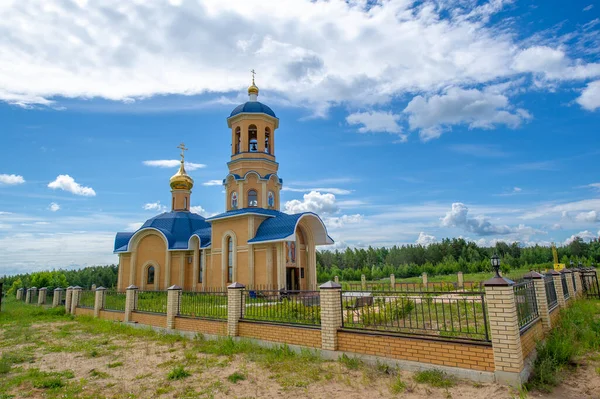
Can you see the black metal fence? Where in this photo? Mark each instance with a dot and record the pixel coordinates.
(440, 314)
(49, 297)
(151, 301)
(565, 287)
(34, 297)
(114, 300)
(550, 292)
(439, 286)
(211, 305)
(290, 307)
(589, 283)
(87, 299)
(573, 279)
(527, 310)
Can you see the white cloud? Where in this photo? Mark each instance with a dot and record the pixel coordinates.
(339, 221)
(553, 64)
(478, 109)
(587, 8)
(213, 183)
(425, 239)
(11, 179)
(133, 226)
(563, 209)
(313, 202)
(173, 163)
(67, 183)
(590, 96)
(517, 189)
(584, 235)
(155, 206)
(587, 217)
(53, 207)
(376, 121)
(332, 190)
(594, 185)
(200, 211)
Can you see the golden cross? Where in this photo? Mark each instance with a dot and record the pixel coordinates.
(182, 148)
(253, 73)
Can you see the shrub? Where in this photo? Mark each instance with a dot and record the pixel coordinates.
(236, 376)
(352, 363)
(398, 386)
(178, 373)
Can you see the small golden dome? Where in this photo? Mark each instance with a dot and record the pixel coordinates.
(253, 89)
(181, 180)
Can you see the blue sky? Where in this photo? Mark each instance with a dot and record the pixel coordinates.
(400, 121)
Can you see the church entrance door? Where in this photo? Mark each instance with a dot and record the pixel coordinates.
(292, 279)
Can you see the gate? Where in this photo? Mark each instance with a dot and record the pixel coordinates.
(589, 282)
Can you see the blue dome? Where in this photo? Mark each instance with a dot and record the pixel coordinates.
(253, 107)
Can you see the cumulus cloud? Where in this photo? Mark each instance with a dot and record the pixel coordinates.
(53, 207)
(375, 122)
(11, 179)
(590, 96)
(172, 163)
(155, 206)
(313, 202)
(432, 115)
(584, 235)
(67, 183)
(213, 183)
(200, 211)
(589, 217)
(553, 64)
(339, 221)
(425, 239)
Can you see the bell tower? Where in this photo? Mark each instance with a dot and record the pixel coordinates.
(252, 181)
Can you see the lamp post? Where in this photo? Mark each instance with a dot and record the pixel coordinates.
(496, 265)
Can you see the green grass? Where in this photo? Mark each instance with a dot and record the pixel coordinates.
(235, 377)
(577, 333)
(352, 363)
(397, 386)
(114, 365)
(178, 373)
(435, 378)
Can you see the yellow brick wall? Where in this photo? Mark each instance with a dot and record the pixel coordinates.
(554, 316)
(149, 319)
(201, 326)
(469, 356)
(530, 338)
(84, 312)
(109, 315)
(304, 336)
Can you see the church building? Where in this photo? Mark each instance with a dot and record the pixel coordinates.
(252, 242)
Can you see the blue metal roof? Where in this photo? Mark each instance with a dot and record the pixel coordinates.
(176, 226)
(243, 211)
(253, 107)
(277, 228)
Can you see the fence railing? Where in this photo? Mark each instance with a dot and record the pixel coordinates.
(565, 287)
(589, 283)
(439, 286)
(87, 299)
(527, 309)
(440, 314)
(212, 305)
(573, 279)
(151, 301)
(114, 300)
(550, 292)
(49, 296)
(290, 307)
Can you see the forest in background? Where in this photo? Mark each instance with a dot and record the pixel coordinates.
(446, 257)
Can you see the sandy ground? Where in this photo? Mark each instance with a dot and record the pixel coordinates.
(146, 363)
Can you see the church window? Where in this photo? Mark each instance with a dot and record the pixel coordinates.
(252, 198)
(271, 199)
(267, 140)
(184, 202)
(252, 138)
(229, 260)
(238, 140)
(150, 279)
(234, 200)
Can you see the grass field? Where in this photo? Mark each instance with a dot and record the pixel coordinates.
(47, 354)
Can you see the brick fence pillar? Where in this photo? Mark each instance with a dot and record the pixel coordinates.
(42, 296)
(68, 297)
(560, 296)
(504, 329)
(130, 302)
(578, 285)
(363, 282)
(57, 298)
(392, 282)
(235, 308)
(173, 305)
(461, 280)
(77, 290)
(34, 292)
(569, 276)
(331, 314)
(20, 294)
(425, 279)
(541, 298)
(28, 296)
(99, 300)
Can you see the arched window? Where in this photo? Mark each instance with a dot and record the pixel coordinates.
(252, 138)
(150, 279)
(200, 267)
(252, 198)
(229, 260)
(267, 140)
(238, 140)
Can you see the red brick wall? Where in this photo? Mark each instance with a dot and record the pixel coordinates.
(149, 319)
(84, 312)
(554, 316)
(202, 326)
(293, 335)
(464, 355)
(110, 315)
(530, 338)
